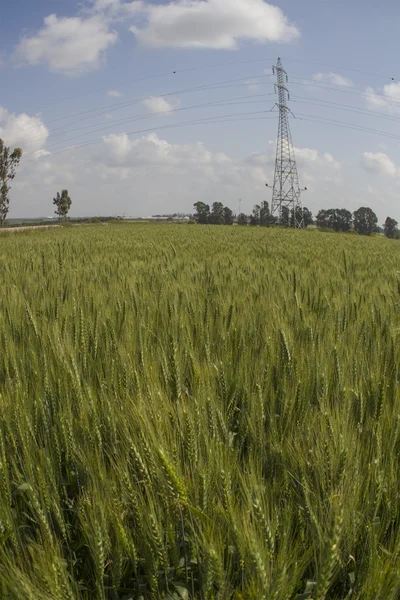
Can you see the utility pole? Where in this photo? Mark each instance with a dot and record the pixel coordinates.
(240, 207)
(286, 192)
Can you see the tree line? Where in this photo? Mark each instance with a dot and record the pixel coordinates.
(363, 221)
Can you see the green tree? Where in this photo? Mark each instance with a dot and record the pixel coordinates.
(300, 217)
(365, 221)
(342, 219)
(217, 214)
(255, 216)
(390, 228)
(322, 219)
(265, 214)
(9, 162)
(202, 212)
(242, 219)
(228, 216)
(284, 221)
(338, 219)
(63, 204)
(307, 217)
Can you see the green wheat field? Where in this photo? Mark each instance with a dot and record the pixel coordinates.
(199, 413)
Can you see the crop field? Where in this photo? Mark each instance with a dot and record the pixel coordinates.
(199, 413)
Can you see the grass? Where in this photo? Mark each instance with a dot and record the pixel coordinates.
(199, 413)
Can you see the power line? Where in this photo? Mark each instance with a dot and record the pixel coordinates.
(309, 62)
(116, 106)
(147, 77)
(345, 107)
(216, 85)
(172, 126)
(202, 67)
(326, 120)
(347, 89)
(228, 101)
(302, 117)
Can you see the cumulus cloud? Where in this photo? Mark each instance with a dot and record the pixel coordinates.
(334, 78)
(388, 98)
(311, 158)
(215, 24)
(114, 93)
(158, 105)
(118, 175)
(70, 45)
(23, 131)
(379, 163)
(78, 44)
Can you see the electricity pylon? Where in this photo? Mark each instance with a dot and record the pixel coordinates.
(286, 200)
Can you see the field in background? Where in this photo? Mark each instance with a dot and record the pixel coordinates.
(199, 413)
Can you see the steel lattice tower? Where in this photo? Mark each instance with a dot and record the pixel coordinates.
(286, 192)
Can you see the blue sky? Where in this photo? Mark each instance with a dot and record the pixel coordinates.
(78, 77)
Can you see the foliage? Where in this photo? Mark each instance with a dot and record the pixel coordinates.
(63, 204)
(307, 217)
(255, 216)
(242, 219)
(217, 214)
(337, 219)
(205, 415)
(265, 215)
(228, 216)
(285, 220)
(9, 162)
(365, 221)
(202, 212)
(390, 228)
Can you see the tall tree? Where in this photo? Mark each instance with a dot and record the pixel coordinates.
(255, 216)
(202, 212)
(341, 219)
(242, 219)
(390, 228)
(299, 216)
(217, 214)
(365, 221)
(285, 217)
(63, 204)
(228, 216)
(322, 219)
(264, 214)
(9, 162)
(307, 217)
(338, 219)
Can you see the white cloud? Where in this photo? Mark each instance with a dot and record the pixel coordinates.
(114, 93)
(379, 163)
(334, 78)
(117, 175)
(23, 131)
(115, 8)
(215, 24)
(71, 45)
(158, 105)
(312, 159)
(388, 98)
